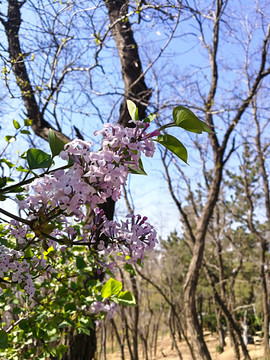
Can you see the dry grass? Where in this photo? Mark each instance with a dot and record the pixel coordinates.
(165, 352)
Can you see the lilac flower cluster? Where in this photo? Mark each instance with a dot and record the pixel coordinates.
(129, 240)
(18, 269)
(93, 177)
(13, 263)
(98, 306)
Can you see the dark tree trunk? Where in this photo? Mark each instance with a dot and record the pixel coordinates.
(132, 72)
(81, 346)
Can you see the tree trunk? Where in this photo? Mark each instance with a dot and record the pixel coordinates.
(220, 330)
(104, 340)
(265, 304)
(172, 331)
(132, 72)
(81, 346)
(194, 328)
(228, 317)
(120, 342)
(136, 317)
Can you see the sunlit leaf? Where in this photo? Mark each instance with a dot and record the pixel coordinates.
(126, 298)
(27, 122)
(10, 138)
(150, 118)
(112, 287)
(187, 120)
(7, 162)
(133, 110)
(16, 124)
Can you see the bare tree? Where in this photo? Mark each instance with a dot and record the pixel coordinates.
(222, 143)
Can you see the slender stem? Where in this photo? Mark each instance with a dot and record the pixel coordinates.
(12, 216)
(15, 324)
(25, 182)
(32, 241)
(53, 238)
(167, 126)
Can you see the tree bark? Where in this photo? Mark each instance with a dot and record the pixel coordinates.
(131, 67)
(119, 340)
(194, 328)
(12, 26)
(135, 325)
(227, 314)
(81, 346)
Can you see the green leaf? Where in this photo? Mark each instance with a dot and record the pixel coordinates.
(80, 263)
(26, 132)
(129, 268)
(150, 118)
(27, 122)
(9, 179)
(63, 325)
(3, 181)
(28, 253)
(185, 119)
(83, 330)
(3, 339)
(112, 287)
(38, 159)
(17, 310)
(60, 350)
(22, 169)
(3, 197)
(133, 110)
(17, 189)
(55, 143)
(126, 298)
(70, 307)
(174, 145)
(10, 138)
(7, 162)
(137, 171)
(16, 124)
(24, 325)
(20, 197)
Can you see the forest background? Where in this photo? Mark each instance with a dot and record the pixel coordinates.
(71, 66)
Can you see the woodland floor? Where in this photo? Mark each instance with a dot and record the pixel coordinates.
(164, 351)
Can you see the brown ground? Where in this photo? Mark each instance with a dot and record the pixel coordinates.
(164, 351)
